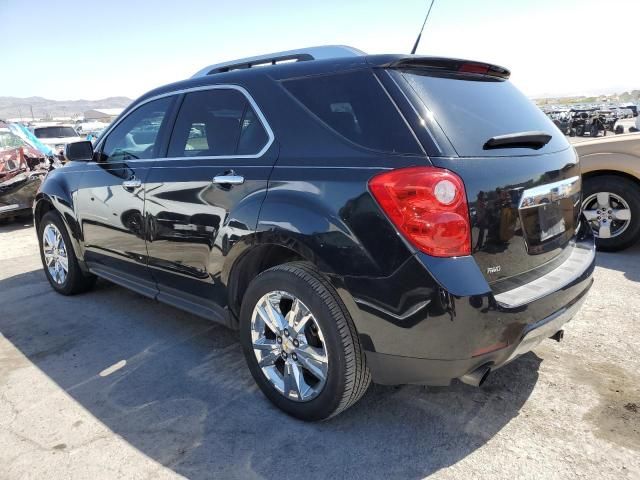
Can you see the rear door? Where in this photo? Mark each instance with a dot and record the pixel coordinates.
(523, 196)
(205, 196)
(110, 199)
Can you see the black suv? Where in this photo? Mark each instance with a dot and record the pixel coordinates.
(386, 218)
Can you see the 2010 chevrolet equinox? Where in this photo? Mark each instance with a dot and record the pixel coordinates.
(387, 218)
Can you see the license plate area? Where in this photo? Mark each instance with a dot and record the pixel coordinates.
(552, 222)
(549, 214)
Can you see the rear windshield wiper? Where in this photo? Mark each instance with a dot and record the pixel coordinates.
(535, 140)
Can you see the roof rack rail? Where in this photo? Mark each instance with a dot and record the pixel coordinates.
(304, 54)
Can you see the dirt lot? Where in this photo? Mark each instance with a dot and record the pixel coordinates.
(112, 385)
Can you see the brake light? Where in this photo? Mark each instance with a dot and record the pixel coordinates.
(429, 207)
(470, 67)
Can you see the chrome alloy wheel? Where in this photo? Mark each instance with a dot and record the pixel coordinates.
(289, 346)
(608, 214)
(55, 254)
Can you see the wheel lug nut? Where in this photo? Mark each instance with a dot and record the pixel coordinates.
(294, 356)
(296, 343)
(279, 340)
(286, 332)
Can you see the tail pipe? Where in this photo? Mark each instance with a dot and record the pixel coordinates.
(558, 336)
(477, 377)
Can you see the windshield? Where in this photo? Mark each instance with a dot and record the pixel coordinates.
(8, 140)
(55, 132)
(471, 110)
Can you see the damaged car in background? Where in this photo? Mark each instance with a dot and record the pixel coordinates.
(22, 169)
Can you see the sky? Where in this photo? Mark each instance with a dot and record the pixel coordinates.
(67, 49)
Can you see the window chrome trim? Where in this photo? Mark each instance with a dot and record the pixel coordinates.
(238, 88)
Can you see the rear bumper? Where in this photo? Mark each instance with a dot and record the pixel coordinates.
(416, 331)
(397, 370)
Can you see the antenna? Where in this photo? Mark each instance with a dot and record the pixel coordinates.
(415, 46)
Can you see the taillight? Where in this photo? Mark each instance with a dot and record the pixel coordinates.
(429, 206)
(470, 67)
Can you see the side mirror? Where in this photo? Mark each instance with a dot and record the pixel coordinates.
(78, 152)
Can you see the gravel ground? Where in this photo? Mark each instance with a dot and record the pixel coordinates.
(112, 385)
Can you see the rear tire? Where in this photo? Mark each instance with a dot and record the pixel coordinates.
(346, 376)
(618, 188)
(73, 280)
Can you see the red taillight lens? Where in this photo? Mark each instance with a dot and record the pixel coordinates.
(479, 68)
(429, 206)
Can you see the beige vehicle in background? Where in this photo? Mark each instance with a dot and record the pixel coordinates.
(611, 189)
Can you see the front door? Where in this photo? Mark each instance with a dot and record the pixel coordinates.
(206, 195)
(110, 199)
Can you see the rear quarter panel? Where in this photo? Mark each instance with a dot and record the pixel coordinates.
(620, 153)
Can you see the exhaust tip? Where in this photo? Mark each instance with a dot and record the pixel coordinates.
(477, 377)
(558, 336)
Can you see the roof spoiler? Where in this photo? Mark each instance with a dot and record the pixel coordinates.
(451, 65)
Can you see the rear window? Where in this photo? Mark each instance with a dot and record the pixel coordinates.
(355, 106)
(55, 132)
(472, 110)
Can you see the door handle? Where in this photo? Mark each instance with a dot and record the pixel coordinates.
(131, 183)
(228, 179)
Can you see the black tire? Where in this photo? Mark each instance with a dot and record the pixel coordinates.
(572, 132)
(347, 377)
(593, 131)
(76, 281)
(579, 131)
(630, 192)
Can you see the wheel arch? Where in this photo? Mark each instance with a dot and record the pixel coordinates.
(46, 202)
(269, 249)
(615, 173)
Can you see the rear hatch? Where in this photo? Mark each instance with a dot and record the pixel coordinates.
(521, 175)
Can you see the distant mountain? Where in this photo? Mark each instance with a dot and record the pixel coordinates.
(12, 107)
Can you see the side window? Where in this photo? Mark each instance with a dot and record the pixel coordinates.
(214, 123)
(136, 136)
(355, 105)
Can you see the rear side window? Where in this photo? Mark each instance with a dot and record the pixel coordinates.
(55, 132)
(471, 110)
(217, 122)
(355, 105)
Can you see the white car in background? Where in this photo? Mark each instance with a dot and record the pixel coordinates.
(57, 137)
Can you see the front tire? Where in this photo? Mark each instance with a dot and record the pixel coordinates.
(611, 205)
(300, 343)
(58, 258)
